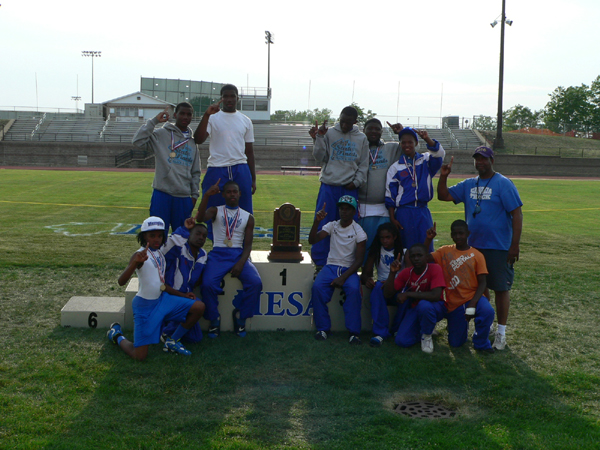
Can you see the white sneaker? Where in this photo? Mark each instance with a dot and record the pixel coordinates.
(499, 341)
(427, 343)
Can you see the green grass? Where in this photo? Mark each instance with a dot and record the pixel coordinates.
(69, 388)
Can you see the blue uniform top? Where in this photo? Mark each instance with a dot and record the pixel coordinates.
(183, 270)
(420, 171)
(491, 228)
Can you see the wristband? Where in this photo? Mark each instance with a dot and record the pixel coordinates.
(470, 311)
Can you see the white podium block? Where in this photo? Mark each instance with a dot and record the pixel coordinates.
(130, 293)
(286, 293)
(92, 312)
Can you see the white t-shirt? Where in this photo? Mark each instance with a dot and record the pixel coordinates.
(229, 133)
(383, 266)
(239, 232)
(150, 274)
(342, 251)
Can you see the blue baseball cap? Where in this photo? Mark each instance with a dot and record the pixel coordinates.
(409, 130)
(347, 200)
(484, 151)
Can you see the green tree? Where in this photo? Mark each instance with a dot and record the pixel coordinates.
(484, 123)
(302, 116)
(520, 116)
(363, 115)
(569, 109)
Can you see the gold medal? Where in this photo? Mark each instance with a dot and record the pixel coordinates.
(172, 154)
(228, 243)
(414, 184)
(163, 287)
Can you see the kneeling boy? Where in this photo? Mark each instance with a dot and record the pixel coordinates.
(348, 243)
(422, 285)
(465, 274)
(185, 262)
(232, 229)
(155, 301)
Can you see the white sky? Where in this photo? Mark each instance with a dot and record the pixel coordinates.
(423, 44)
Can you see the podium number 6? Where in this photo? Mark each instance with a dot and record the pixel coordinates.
(92, 322)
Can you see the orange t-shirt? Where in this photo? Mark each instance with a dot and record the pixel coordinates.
(460, 268)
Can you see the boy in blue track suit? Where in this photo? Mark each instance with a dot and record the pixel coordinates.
(185, 263)
(343, 152)
(410, 188)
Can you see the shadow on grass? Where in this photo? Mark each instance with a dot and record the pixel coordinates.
(286, 389)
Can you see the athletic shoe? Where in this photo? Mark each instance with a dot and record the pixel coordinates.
(427, 343)
(354, 340)
(321, 335)
(489, 350)
(214, 329)
(175, 347)
(499, 341)
(376, 341)
(238, 329)
(114, 333)
(164, 337)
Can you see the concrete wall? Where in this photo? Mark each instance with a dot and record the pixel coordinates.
(65, 154)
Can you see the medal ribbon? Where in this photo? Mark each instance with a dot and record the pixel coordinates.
(374, 158)
(181, 144)
(416, 283)
(159, 265)
(413, 175)
(229, 228)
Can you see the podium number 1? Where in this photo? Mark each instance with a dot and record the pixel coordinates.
(283, 274)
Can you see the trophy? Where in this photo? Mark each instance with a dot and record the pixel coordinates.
(286, 245)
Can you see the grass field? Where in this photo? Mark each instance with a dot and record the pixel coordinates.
(70, 388)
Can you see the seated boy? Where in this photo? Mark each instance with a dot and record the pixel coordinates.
(422, 286)
(232, 243)
(465, 274)
(348, 242)
(155, 301)
(185, 262)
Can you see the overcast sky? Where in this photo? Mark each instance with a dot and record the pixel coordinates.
(444, 54)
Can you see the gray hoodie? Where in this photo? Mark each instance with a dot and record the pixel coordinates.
(178, 176)
(344, 156)
(372, 192)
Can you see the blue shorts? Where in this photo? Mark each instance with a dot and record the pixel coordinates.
(148, 316)
(501, 274)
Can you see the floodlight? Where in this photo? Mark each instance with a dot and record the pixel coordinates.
(494, 23)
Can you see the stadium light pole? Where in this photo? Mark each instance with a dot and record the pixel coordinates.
(268, 41)
(92, 54)
(499, 141)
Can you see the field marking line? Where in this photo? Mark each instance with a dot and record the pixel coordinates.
(311, 212)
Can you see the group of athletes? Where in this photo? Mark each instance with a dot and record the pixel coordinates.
(371, 212)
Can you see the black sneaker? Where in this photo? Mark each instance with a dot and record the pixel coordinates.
(214, 329)
(238, 329)
(321, 335)
(354, 340)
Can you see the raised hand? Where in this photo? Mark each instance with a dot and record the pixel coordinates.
(140, 257)
(189, 223)
(214, 189)
(396, 128)
(447, 168)
(313, 130)
(431, 233)
(322, 213)
(423, 134)
(163, 116)
(214, 108)
(323, 128)
(396, 265)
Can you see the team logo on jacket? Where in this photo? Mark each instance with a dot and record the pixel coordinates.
(343, 150)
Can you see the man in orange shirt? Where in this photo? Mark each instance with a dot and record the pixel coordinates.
(465, 274)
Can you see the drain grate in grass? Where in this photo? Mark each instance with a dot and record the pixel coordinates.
(424, 410)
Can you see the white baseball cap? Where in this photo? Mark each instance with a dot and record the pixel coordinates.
(153, 223)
